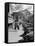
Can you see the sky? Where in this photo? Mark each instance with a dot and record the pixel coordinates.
(17, 7)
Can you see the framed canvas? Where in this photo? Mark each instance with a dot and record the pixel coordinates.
(19, 22)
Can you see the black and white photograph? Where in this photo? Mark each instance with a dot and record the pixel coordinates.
(20, 23)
